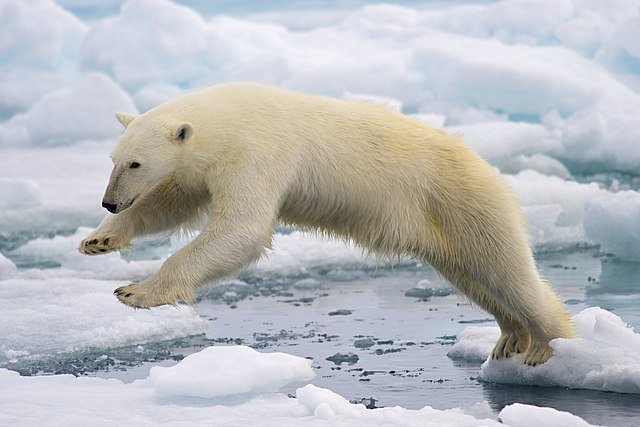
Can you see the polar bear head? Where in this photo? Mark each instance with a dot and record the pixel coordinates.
(149, 151)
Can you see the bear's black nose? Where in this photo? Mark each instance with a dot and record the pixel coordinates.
(108, 206)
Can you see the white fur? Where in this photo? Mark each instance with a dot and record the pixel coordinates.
(246, 155)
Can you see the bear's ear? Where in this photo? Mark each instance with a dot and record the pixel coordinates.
(125, 118)
(182, 132)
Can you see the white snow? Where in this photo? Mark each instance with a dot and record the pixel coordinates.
(77, 113)
(298, 250)
(48, 315)
(572, 61)
(38, 51)
(224, 371)
(203, 389)
(543, 91)
(554, 208)
(604, 356)
(519, 415)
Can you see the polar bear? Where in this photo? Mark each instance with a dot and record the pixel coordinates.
(242, 156)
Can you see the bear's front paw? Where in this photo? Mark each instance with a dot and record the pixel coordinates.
(151, 294)
(134, 295)
(98, 244)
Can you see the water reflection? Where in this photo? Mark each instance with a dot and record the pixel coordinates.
(595, 407)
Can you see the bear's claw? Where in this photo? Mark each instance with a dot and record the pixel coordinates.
(96, 246)
(538, 354)
(509, 344)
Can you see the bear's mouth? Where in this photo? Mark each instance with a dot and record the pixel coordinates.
(127, 204)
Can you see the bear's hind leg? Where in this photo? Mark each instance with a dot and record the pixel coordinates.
(530, 308)
(514, 338)
(548, 320)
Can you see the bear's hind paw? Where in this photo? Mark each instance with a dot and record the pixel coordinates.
(537, 354)
(144, 295)
(509, 344)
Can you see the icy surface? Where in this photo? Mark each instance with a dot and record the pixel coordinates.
(76, 113)
(192, 394)
(518, 415)
(555, 91)
(621, 214)
(42, 317)
(565, 78)
(605, 356)
(554, 208)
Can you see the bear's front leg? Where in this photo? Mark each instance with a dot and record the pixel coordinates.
(111, 235)
(230, 241)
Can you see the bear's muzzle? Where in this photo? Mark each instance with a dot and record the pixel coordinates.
(110, 207)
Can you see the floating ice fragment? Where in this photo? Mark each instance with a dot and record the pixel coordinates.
(519, 415)
(229, 370)
(475, 343)
(605, 356)
(77, 401)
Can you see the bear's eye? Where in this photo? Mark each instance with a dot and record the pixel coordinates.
(134, 165)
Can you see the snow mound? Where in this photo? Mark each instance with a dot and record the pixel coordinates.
(613, 220)
(74, 113)
(605, 356)
(229, 370)
(39, 45)
(148, 42)
(474, 343)
(498, 142)
(554, 208)
(322, 406)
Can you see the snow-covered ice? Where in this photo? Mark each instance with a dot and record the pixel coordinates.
(45, 316)
(604, 356)
(227, 371)
(224, 386)
(554, 91)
